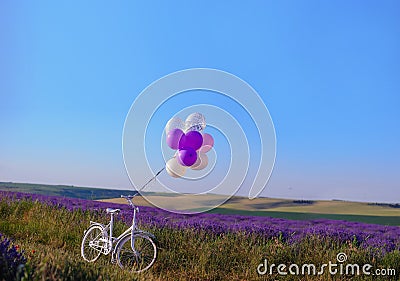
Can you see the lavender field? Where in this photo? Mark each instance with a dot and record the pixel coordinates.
(192, 247)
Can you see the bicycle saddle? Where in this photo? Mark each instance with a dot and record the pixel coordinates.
(112, 211)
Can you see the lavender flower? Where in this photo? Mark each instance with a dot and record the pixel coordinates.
(377, 237)
(10, 259)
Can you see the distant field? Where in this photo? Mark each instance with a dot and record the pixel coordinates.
(288, 209)
(63, 190)
(388, 214)
(277, 205)
(308, 206)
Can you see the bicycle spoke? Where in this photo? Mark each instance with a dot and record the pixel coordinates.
(91, 245)
(140, 259)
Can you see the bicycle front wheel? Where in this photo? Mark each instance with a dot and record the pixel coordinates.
(92, 243)
(141, 257)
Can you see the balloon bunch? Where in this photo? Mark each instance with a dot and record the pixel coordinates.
(190, 143)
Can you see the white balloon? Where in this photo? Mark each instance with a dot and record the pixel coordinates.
(174, 169)
(174, 123)
(195, 122)
(201, 163)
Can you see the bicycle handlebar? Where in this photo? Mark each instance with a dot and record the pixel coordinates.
(130, 197)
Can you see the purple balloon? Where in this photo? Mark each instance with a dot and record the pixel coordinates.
(187, 157)
(192, 139)
(173, 138)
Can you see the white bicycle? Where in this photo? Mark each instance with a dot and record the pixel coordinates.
(134, 249)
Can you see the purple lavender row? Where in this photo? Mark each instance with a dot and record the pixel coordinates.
(10, 259)
(377, 237)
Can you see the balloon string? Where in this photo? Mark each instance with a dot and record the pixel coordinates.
(153, 178)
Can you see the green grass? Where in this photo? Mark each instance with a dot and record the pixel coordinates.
(51, 239)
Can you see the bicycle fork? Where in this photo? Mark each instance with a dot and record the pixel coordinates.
(133, 230)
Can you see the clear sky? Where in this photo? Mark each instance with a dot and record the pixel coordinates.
(328, 72)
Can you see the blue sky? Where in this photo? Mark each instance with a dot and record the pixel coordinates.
(328, 72)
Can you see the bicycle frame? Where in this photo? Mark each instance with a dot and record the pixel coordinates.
(98, 239)
(132, 230)
(133, 227)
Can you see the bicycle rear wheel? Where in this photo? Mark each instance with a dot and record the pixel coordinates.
(92, 243)
(139, 259)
